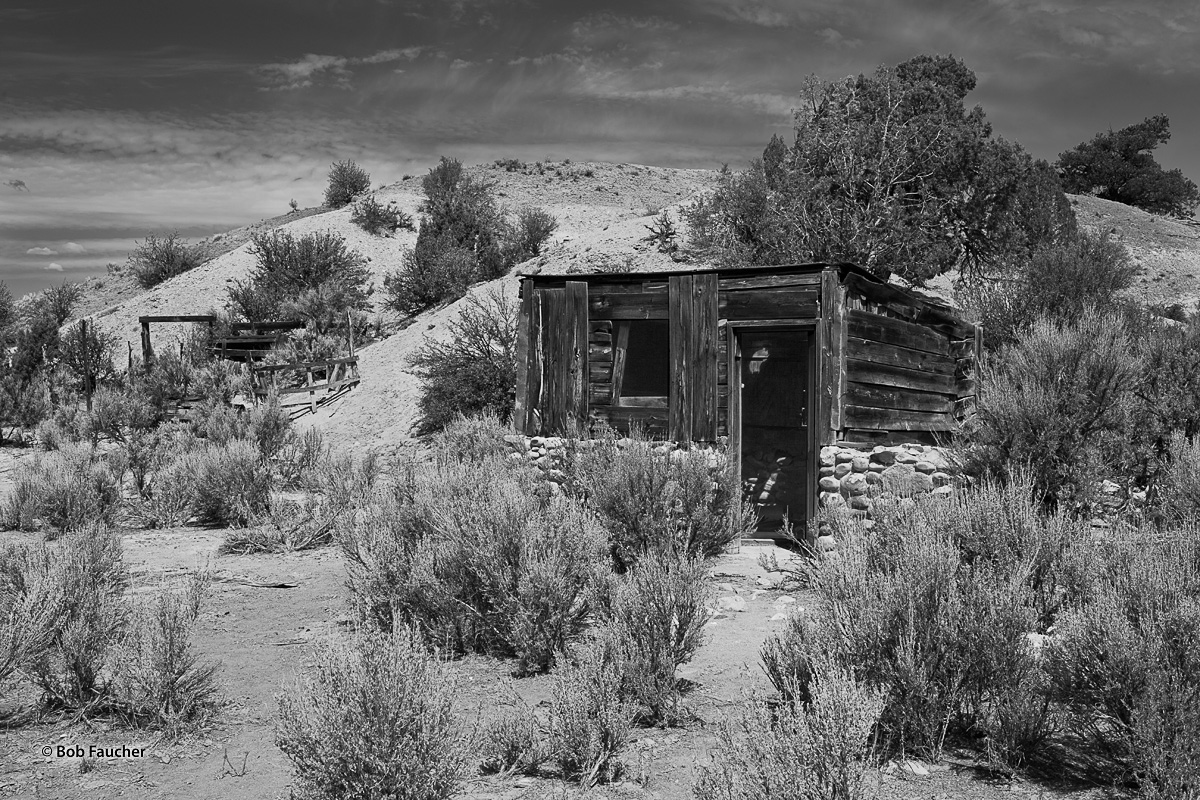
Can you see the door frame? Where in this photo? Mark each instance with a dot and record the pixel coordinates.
(807, 533)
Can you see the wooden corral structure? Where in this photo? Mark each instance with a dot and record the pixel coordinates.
(248, 341)
(325, 381)
(251, 342)
(781, 360)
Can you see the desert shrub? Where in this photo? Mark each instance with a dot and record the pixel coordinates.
(314, 276)
(336, 485)
(88, 356)
(118, 414)
(269, 427)
(1166, 732)
(445, 274)
(511, 742)
(934, 608)
(232, 484)
(342, 480)
(1123, 661)
(472, 370)
(464, 238)
(653, 622)
(1099, 669)
(373, 719)
(158, 259)
(533, 228)
(347, 180)
(472, 438)
(89, 580)
(819, 750)
(663, 233)
(30, 605)
(1060, 281)
(66, 490)
(1056, 406)
(251, 301)
(650, 499)
(461, 211)
(56, 303)
(477, 557)
(590, 721)
(170, 493)
(23, 405)
(159, 680)
(1179, 489)
(376, 218)
(1166, 394)
(300, 454)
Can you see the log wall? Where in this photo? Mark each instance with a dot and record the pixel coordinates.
(909, 367)
(891, 366)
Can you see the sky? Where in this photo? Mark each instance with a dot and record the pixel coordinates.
(122, 118)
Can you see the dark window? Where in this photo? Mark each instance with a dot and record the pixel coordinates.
(647, 359)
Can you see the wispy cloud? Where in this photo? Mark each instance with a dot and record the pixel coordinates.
(834, 38)
(41, 251)
(53, 266)
(74, 248)
(336, 70)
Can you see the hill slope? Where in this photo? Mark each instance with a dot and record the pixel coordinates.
(1166, 250)
(602, 211)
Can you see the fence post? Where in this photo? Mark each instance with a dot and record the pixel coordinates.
(83, 361)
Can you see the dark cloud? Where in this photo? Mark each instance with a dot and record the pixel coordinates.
(216, 113)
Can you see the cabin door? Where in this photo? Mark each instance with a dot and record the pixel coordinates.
(774, 432)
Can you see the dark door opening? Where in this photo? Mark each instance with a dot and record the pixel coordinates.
(774, 365)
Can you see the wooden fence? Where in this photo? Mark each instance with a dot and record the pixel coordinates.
(325, 381)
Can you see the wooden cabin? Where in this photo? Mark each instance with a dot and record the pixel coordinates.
(781, 360)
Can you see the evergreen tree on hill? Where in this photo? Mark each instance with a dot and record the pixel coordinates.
(893, 172)
(1120, 166)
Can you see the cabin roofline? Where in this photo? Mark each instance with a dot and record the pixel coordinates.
(844, 270)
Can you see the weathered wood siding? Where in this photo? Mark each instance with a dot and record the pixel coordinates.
(909, 366)
(552, 396)
(694, 352)
(890, 365)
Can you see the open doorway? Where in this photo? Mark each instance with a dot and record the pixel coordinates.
(775, 369)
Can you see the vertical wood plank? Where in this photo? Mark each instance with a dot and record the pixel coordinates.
(837, 341)
(83, 359)
(824, 430)
(679, 315)
(620, 353)
(147, 351)
(831, 358)
(576, 309)
(978, 357)
(533, 388)
(552, 400)
(734, 367)
(520, 418)
(705, 349)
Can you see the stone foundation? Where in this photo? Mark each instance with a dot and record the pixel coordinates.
(848, 478)
(550, 453)
(863, 481)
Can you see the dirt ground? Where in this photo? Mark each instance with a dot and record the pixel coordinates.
(262, 633)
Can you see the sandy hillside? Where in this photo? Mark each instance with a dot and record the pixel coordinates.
(1166, 250)
(602, 211)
